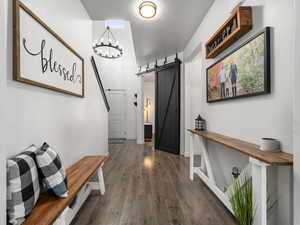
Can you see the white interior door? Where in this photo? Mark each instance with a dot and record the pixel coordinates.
(117, 114)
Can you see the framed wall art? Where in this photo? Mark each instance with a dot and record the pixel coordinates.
(244, 72)
(100, 83)
(42, 57)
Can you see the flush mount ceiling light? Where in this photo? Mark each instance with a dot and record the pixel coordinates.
(107, 46)
(147, 9)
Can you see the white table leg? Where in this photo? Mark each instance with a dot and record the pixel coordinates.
(259, 185)
(202, 166)
(192, 157)
(101, 180)
(206, 159)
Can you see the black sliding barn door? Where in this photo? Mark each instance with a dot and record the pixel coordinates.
(167, 117)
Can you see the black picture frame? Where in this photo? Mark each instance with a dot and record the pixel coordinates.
(267, 67)
(100, 83)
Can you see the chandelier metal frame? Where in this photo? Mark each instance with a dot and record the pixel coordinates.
(107, 46)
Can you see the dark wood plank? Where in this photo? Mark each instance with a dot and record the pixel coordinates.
(49, 207)
(274, 158)
(147, 187)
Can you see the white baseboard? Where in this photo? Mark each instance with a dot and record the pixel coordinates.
(140, 142)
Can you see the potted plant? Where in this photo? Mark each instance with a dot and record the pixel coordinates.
(242, 201)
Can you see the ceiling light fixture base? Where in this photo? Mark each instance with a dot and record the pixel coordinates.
(148, 9)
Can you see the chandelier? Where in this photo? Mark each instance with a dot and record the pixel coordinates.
(107, 46)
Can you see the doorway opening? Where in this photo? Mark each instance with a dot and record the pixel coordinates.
(117, 116)
(149, 107)
(161, 107)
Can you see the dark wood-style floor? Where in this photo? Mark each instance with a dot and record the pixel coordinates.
(147, 187)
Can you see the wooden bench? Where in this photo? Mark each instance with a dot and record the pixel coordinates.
(60, 211)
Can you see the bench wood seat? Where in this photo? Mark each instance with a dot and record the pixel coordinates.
(50, 207)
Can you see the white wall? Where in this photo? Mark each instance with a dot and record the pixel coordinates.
(250, 118)
(297, 118)
(2, 85)
(149, 93)
(120, 73)
(75, 127)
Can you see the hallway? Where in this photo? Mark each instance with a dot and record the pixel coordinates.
(151, 188)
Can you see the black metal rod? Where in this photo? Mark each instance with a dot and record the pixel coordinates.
(149, 70)
(146, 71)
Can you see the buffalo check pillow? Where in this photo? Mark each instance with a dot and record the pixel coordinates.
(52, 171)
(23, 187)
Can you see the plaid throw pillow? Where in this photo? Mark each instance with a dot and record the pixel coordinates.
(53, 173)
(23, 188)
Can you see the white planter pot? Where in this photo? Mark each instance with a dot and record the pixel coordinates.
(270, 145)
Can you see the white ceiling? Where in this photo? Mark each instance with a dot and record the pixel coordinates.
(166, 34)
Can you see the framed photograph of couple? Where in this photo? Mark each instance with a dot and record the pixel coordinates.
(244, 72)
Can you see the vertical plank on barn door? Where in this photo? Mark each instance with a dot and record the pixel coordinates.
(167, 121)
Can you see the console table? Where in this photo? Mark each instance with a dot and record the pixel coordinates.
(257, 168)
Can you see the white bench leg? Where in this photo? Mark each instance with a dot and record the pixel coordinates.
(101, 180)
(61, 220)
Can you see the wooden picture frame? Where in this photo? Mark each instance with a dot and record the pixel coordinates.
(235, 27)
(260, 84)
(100, 83)
(61, 67)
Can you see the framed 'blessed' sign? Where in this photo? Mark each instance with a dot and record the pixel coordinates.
(42, 58)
